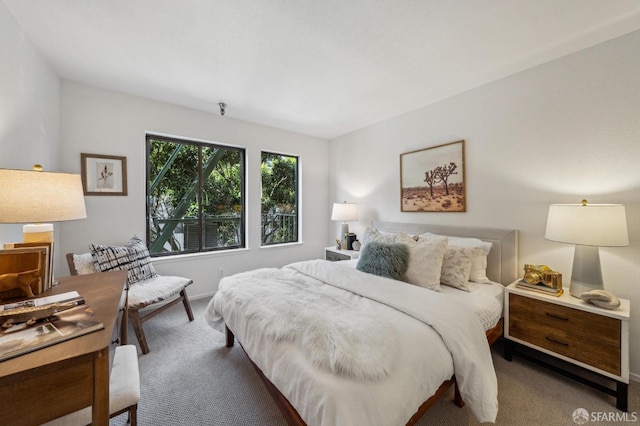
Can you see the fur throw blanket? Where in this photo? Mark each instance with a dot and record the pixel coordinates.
(333, 333)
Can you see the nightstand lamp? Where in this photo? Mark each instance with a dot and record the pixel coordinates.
(346, 212)
(588, 226)
(33, 196)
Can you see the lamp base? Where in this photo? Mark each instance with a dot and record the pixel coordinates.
(37, 233)
(586, 274)
(343, 237)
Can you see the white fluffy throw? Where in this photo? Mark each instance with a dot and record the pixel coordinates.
(334, 334)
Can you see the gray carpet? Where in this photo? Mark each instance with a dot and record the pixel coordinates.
(190, 378)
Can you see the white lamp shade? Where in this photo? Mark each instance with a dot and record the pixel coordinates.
(602, 225)
(345, 212)
(28, 196)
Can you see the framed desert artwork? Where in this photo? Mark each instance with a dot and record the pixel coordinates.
(103, 174)
(432, 179)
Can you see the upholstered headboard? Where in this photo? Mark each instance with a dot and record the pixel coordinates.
(502, 261)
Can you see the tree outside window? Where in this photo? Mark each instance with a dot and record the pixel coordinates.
(279, 198)
(195, 196)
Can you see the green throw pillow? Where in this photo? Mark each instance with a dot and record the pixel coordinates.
(385, 260)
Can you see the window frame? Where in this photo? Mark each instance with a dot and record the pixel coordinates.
(298, 188)
(149, 138)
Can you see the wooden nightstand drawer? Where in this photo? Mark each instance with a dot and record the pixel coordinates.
(586, 337)
(333, 256)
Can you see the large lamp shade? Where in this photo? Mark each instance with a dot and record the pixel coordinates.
(603, 225)
(345, 212)
(34, 197)
(588, 226)
(30, 196)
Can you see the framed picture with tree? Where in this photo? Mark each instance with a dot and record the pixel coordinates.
(432, 179)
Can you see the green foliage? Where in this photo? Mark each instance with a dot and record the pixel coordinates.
(279, 198)
(177, 202)
(176, 199)
(279, 183)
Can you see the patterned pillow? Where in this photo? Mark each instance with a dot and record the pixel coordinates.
(425, 262)
(372, 234)
(479, 268)
(134, 257)
(385, 260)
(456, 266)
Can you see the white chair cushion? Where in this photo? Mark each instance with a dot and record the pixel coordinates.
(141, 293)
(124, 388)
(84, 264)
(161, 287)
(124, 383)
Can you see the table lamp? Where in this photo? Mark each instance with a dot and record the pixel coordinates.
(345, 212)
(588, 226)
(33, 197)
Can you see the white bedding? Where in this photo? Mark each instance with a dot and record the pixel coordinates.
(423, 359)
(485, 300)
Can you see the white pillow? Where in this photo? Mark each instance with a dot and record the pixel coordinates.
(478, 272)
(425, 262)
(456, 266)
(425, 257)
(372, 234)
(84, 264)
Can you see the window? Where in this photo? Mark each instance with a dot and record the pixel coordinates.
(279, 198)
(195, 196)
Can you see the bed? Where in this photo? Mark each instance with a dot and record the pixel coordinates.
(338, 346)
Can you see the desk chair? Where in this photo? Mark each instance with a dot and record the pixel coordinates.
(124, 390)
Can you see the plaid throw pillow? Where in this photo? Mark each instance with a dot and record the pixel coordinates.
(134, 257)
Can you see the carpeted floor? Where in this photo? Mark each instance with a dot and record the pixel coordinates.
(190, 378)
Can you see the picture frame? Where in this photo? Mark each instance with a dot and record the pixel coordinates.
(433, 179)
(16, 269)
(48, 282)
(103, 174)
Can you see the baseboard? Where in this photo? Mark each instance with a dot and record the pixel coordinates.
(205, 296)
(634, 377)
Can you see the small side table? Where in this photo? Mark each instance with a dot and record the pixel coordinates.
(333, 254)
(572, 330)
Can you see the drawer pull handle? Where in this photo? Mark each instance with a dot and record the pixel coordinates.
(556, 316)
(556, 341)
(116, 342)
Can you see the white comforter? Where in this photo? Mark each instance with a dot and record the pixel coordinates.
(434, 340)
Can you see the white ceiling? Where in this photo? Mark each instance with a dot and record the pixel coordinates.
(319, 67)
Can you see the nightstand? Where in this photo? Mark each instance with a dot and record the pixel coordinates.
(572, 330)
(333, 254)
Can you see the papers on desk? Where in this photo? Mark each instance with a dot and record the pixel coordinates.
(70, 296)
(24, 337)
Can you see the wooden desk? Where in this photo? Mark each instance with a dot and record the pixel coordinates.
(63, 378)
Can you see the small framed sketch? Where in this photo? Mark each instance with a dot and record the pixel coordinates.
(432, 179)
(104, 174)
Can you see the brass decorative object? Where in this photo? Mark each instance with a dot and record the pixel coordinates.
(542, 274)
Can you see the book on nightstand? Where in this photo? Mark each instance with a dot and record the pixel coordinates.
(541, 288)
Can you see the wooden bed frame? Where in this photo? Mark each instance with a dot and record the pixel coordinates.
(502, 267)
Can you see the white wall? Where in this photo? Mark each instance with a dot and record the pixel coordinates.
(102, 122)
(29, 108)
(557, 133)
